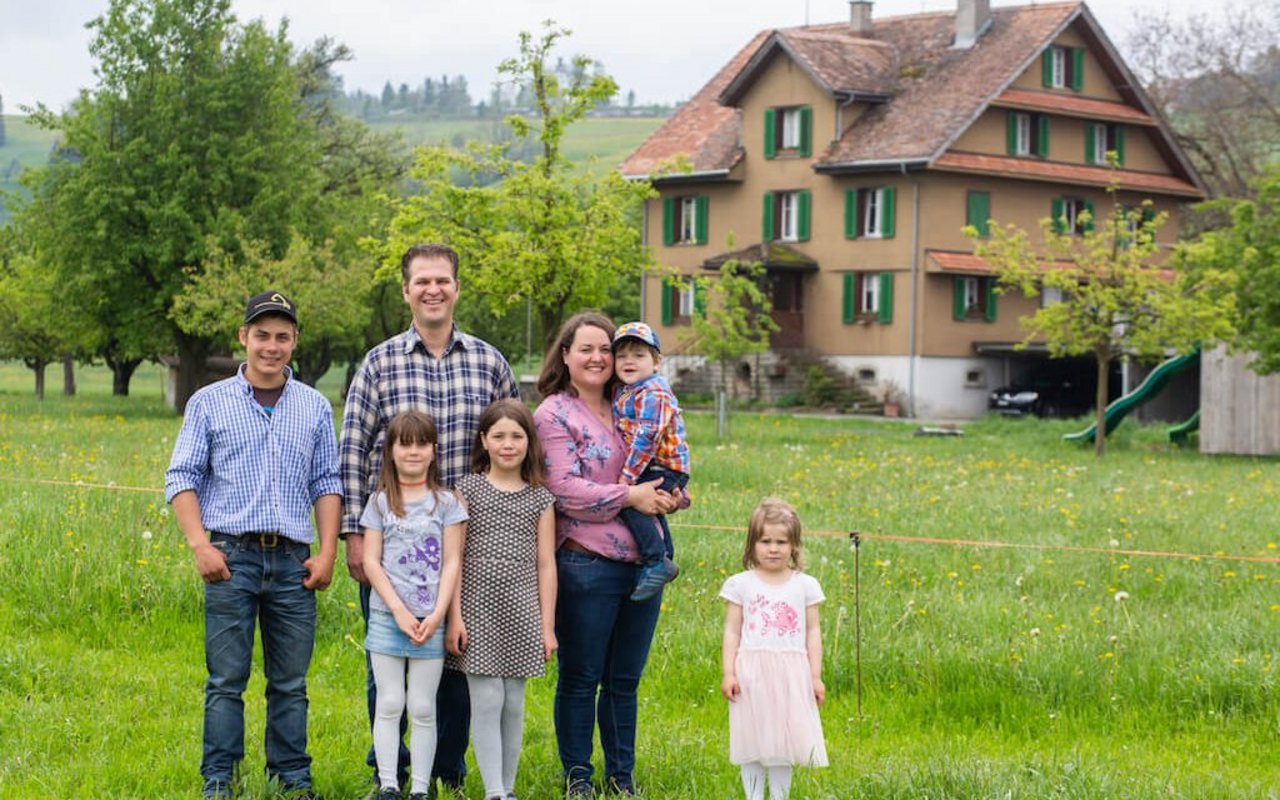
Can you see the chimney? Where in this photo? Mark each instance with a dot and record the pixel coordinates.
(973, 17)
(860, 17)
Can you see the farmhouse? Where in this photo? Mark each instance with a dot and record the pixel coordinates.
(848, 157)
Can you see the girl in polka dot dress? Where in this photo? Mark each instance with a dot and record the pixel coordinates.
(773, 656)
(502, 629)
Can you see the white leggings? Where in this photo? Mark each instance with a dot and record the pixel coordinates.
(753, 774)
(497, 724)
(424, 679)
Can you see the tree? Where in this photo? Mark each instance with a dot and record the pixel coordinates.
(1116, 299)
(731, 317)
(544, 233)
(1249, 250)
(35, 325)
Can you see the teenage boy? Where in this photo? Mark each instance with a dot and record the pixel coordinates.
(256, 455)
(649, 419)
(436, 368)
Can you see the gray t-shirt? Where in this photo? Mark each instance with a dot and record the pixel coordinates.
(413, 546)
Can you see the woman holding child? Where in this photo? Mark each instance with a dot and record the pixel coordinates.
(604, 636)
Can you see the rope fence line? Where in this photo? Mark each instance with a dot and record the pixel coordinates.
(886, 537)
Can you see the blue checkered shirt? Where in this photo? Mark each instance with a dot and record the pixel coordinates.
(399, 375)
(254, 471)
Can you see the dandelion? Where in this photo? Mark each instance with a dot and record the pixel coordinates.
(146, 535)
(351, 604)
(142, 562)
(1121, 596)
(1229, 574)
(164, 512)
(1034, 632)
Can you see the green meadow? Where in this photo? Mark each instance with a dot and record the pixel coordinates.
(1120, 642)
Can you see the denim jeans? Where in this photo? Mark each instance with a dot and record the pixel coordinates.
(453, 719)
(266, 588)
(644, 528)
(604, 642)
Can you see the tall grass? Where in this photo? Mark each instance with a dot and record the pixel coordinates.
(1029, 671)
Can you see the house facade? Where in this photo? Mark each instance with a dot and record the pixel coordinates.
(848, 158)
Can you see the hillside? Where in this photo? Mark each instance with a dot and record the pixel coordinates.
(25, 146)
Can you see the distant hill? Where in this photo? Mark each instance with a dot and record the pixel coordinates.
(24, 146)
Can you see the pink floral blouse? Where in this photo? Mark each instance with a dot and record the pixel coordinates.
(584, 459)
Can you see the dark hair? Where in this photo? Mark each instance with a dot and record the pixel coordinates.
(407, 427)
(554, 377)
(631, 341)
(428, 250)
(531, 469)
(772, 511)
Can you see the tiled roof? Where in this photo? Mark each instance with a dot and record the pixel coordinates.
(837, 62)
(1059, 172)
(951, 261)
(1070, 106)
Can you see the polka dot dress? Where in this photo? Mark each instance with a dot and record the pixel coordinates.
(500, 581)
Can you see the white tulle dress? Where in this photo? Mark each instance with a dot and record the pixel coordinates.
(775, 719)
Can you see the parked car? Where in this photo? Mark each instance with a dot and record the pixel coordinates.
(1045, 395)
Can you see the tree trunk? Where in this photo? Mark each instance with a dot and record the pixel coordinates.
(37, 366)
(68, 376)
(1100, 412)
(311, 365)
(121, 374)
(193, 351)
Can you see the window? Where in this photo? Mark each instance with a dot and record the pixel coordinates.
(1101, 138)
(1049, 296)
(681, 299)
(867, 297)
(788, 131)
(974, 298)
(684, 220)
(1063, 68)
(977, 212)
(786, 216)
(1072, 215)
(869, 213)
(1027, 134)
(1131, 224)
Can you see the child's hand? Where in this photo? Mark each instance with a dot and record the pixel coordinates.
(819, 691)
(427, 628)
(455, 637)
(550, 644)
(730, 689)
(407, 623)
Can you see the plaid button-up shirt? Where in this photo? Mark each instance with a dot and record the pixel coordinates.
(399, 375)
(648, 417)
(254, 471)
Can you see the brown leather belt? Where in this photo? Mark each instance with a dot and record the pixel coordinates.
(570, 544)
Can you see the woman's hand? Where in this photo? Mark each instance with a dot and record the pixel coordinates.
(647, 498)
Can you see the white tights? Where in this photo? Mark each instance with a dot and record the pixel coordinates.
(424, 679)
(753, 775)
(497, 724)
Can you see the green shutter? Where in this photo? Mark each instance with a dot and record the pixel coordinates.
(701, 204)
(1046, 67)
(886, 298)
(888, 197)
(699, 299)
(806, 131)
(851, 213)
(1077, 68)
(991, 300)
(1089, 208)
(766, 230)
(979, 213)
(1056, 215)
(667, 289)
(1090, 142)
(668, 221)
(1042, 138)
(848, 305)
(770, 133)
(1011, 132)
(803, 213)
(1120, 145)
(957, 298)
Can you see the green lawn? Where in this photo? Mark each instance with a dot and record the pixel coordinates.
(1030, 671)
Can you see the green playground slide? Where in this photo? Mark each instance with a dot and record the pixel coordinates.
(1149, 388)
(1178, 433)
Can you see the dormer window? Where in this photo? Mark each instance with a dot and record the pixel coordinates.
(788, 130)
(1028, 134)
(1063, 68)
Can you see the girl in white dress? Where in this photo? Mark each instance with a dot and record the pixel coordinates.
(773, 656)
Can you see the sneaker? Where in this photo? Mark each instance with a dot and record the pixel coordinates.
(579, 790)
(214, 789)
(653, 577)
(622, 786)
(387, 794)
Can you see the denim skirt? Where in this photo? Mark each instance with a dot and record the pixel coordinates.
(384, 636)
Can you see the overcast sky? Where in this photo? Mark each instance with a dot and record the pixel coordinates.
(664, 50)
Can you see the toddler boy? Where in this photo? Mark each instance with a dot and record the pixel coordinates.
(649, 418)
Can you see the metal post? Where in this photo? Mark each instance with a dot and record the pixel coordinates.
(856, 539)
(722, 415)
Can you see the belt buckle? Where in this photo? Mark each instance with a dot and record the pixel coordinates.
(268, 541)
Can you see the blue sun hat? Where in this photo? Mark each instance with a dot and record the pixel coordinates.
(639, 331)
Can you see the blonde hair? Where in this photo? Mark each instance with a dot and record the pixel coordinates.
(772, 511)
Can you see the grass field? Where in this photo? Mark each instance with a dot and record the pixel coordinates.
(1075, 662)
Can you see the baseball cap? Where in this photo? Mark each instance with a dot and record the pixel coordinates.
(270, 302)
(637, 330)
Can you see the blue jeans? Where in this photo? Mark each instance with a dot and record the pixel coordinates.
(644, 528)
(265, 587)
(604, 643)
(453, 719)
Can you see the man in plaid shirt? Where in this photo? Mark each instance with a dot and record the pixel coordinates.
(436, 368)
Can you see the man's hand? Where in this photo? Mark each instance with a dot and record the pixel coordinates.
(355, 558)
(211, 563)
(319, 571)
